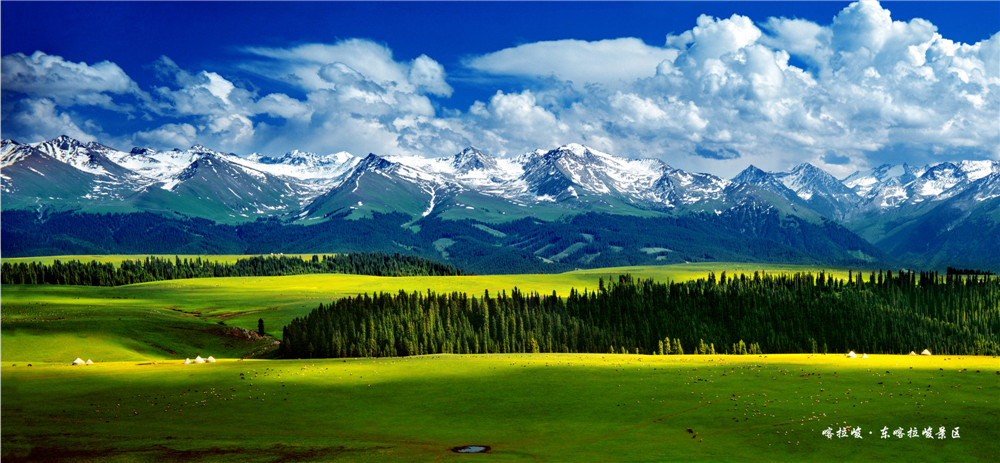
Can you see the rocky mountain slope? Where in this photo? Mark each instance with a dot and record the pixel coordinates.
(915, 215)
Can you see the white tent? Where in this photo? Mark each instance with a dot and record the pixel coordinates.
(864, 356)
(852, 355)
(912, 353)
(925, 352)
(198, 359)
(188, 361)
(78, 361)
(210, 359)
(89, 362)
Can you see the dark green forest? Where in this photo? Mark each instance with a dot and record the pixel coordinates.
(587, 240)
(129, 272)
(885, 313)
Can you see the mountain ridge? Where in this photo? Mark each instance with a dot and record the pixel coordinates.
(549, 185)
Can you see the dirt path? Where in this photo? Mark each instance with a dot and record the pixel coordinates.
(237, 314)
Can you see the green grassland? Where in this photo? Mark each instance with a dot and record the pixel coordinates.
(140, 403)
(543, 407)
(181, 318)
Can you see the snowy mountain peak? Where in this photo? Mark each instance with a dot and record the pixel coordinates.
(944, 170)
(95, 146)
(202, 149)
(472, 159)
(976, 170)
(807, 171)
(66, 142)
(935, 181)
(141, 151)
(806, 179)
(868, 183)
(577, 151)
(71, 151)
(374, 162)
(553, 172)
(303, 165)
(574, 148)
(62, 143)
(821, 191)
(573, 174)
(292, 158)
(987, 187)
(12, 152)
(752, 175)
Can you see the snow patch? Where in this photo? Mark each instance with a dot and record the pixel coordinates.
(431, 206)
(170, 185)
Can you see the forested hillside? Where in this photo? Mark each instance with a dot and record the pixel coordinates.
(881, 313)
(590, 240)
(129, 272)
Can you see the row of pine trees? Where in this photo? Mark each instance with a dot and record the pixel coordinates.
(748, 314)
(128, 272)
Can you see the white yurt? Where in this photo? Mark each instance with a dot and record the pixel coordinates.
(188, 361)
(912, 353)
(925, 352)
(852, 355)
(864, 356)
(78, 361)
(198, 359)
(89, 362)
(210, 359)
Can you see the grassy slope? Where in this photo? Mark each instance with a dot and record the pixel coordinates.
(548, 407)
(169, 319)
(545, 407)
(56, 323)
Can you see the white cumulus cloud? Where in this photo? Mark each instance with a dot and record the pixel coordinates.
(858, 89)
(37, 119)
(577, 61)
(428, 75)
(318, 66)
(168, 135)
(65, 82)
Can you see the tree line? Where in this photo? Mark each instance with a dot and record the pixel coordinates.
(968, 271)
(888, 313)
(608, 240)
(93, 273)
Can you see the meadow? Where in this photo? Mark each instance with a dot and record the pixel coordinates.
(180, 318)
(139, 402)
(545, 407)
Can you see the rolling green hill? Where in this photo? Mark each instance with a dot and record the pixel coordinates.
(139, 402)
(180, 315)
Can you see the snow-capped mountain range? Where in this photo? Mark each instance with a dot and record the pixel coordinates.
(884, 188)
(572, 176)
(923, 203)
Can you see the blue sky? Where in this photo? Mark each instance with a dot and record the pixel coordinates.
(711, 86)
